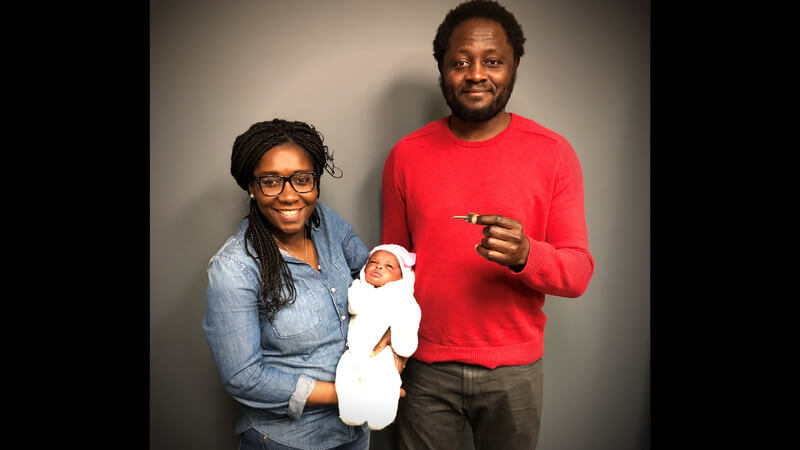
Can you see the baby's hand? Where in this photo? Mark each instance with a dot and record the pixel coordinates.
(385, 340)
(399, 361)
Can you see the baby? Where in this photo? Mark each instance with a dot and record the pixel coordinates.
(368, 387)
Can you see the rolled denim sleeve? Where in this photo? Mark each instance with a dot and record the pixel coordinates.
(231, 326)
(298, 399)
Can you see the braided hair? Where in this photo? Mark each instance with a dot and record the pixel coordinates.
(277, 288)
(478, 9)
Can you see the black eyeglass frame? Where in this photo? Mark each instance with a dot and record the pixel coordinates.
(283, 183)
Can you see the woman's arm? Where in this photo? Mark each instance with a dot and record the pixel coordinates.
(233, 331)
(355, 252)
(324, 393)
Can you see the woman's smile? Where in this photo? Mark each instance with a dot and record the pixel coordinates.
(288, 213)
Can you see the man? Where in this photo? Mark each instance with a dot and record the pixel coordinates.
(481, 288)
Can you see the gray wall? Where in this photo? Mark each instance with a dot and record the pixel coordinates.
(362, 72)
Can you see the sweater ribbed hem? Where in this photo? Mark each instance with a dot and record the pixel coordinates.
(489, 357)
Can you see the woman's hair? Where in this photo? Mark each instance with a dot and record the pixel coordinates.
(277, 288)
(478, 9)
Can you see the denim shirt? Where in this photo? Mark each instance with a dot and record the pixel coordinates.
(270, 368)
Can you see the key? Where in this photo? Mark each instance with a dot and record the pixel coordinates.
(471, 218)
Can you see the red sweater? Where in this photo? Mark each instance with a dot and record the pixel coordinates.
(473, 310)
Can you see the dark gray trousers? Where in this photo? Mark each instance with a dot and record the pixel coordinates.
(502, 405)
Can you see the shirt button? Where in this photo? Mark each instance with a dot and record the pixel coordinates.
(333, 289)
(343, 318)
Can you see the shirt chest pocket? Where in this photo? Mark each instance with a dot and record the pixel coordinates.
(300, 317)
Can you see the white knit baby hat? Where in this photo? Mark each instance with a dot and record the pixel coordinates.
(404, 257)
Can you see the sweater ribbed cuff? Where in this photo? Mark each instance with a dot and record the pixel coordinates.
(535, 263)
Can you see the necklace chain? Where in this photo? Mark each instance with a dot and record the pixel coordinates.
(305, 248)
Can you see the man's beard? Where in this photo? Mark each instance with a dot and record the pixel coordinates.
(477, 115)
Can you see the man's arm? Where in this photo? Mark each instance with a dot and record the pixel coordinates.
(561, 263)
(395, 217)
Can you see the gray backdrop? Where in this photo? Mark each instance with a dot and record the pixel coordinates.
(362, 72)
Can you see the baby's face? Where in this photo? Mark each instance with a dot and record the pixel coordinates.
(382, 267)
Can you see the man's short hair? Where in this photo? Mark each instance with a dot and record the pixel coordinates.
(478, 8)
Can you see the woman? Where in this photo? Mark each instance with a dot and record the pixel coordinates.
(277, 315)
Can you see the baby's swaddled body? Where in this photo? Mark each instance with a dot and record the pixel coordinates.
(368, 387)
